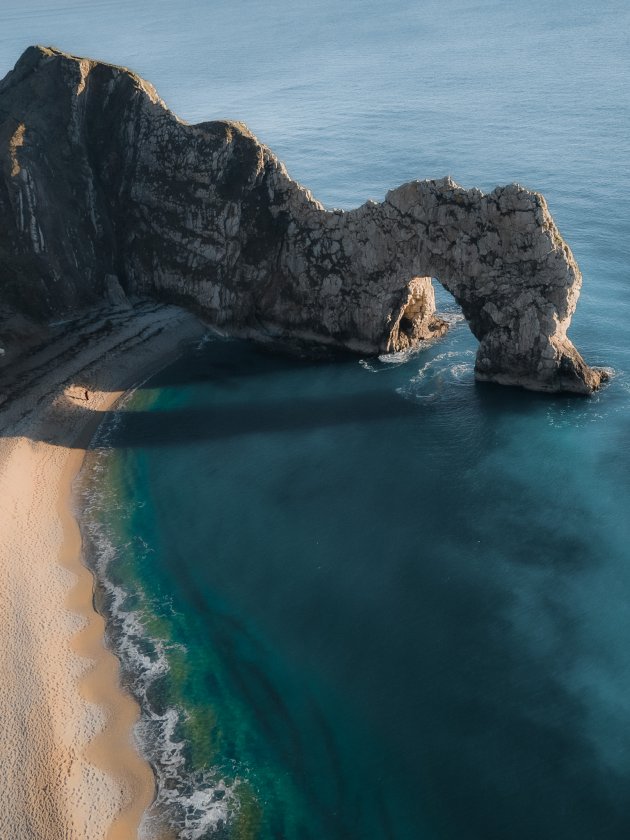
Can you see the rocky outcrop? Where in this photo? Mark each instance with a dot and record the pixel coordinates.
(106, 194)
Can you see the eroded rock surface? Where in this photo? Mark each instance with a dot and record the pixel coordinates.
(106, 194)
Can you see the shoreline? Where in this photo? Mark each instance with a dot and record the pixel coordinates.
(72, 768)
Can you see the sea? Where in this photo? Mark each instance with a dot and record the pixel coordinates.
(370, 598)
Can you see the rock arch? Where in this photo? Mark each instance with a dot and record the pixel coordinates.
(500, 255)
(102, 186)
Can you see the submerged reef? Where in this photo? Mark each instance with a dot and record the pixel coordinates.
(105, 195)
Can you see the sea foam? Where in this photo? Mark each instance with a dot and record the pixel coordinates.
(191, 802)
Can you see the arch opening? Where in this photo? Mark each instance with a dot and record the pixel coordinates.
(414, 319)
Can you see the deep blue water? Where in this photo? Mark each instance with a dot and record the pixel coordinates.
(372, 599)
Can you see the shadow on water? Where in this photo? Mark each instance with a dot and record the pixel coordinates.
(226, 365)
(229, 361)
(189, 425)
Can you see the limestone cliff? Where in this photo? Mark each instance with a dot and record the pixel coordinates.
(105, 193)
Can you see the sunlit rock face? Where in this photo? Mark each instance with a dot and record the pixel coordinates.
(106, 193)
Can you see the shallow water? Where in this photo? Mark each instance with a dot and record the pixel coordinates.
(370, 598)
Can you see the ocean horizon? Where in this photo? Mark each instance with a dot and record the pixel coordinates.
(370, 597)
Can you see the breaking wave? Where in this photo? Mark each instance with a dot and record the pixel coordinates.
(451, 368)
(193, 803)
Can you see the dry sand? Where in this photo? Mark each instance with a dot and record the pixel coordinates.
(69, 766)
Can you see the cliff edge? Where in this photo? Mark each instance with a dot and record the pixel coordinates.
(104, 193)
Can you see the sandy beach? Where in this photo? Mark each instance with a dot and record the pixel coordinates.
(70, 767)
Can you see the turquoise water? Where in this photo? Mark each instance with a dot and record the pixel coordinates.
(369, 599)
(400, 600)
